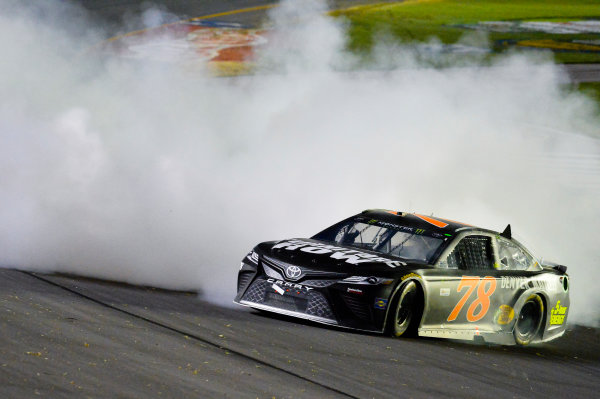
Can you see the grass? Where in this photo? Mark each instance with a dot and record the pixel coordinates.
(420, 21)
(592, 89)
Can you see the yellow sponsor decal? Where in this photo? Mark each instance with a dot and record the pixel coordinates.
(557, 314)
(505, 314)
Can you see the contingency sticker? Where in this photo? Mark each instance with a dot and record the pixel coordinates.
(381, 303)
(558, 314)
(504, 315)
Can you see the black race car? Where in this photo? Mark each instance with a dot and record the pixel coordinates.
(405, 273)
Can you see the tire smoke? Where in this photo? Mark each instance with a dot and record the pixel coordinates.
(144, 173)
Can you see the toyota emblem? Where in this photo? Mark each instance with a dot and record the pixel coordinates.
(293, 272)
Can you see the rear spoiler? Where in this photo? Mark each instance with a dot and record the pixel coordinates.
(559, 268)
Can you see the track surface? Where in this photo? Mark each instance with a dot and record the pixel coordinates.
(65, 337)
(113, 13)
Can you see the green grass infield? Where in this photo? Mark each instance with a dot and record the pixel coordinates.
(568, 28)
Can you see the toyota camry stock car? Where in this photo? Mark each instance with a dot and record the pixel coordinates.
(404, 273)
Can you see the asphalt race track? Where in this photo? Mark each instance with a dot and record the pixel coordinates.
(64, 336)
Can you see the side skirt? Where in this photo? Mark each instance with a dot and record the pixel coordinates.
(501, 338)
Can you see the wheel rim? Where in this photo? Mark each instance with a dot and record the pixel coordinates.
(529, 321)
(405, 308)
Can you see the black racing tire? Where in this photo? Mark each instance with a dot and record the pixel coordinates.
(530, 319)
(407, 311)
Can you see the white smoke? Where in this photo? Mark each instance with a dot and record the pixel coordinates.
(142, 173)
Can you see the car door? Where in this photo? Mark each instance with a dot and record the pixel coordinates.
(463, 289)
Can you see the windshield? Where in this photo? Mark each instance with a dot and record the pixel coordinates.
(387, 238)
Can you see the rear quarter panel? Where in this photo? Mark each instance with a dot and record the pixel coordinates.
(464, 304)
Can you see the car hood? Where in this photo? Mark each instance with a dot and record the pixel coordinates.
(321, 256)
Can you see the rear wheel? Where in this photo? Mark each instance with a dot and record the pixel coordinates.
(407, 313)
(530, 319)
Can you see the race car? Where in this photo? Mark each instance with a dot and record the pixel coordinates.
(410, 274)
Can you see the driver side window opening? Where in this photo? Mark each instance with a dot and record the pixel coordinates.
(471, 253)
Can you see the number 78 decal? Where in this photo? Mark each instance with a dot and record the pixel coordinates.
(482, 303)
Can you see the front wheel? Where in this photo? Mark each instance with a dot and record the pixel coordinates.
(530, 320)
(407, 313)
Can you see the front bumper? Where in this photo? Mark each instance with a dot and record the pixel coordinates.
(311, 305)
(322, 301)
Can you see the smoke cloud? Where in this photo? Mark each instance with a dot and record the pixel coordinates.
(144, 173)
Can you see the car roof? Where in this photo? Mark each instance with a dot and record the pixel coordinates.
(441, 225)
